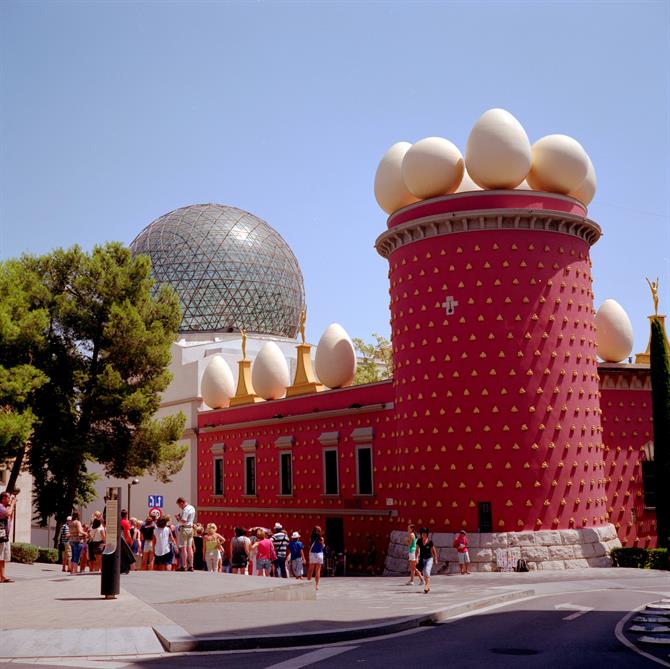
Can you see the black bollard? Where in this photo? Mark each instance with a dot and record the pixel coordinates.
(110, 573)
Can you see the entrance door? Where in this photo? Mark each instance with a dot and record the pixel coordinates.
(335, 534)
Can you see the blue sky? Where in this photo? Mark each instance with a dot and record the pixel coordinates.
(114, 113)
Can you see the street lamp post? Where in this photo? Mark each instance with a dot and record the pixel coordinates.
(133, 482)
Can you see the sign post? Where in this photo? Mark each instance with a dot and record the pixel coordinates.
(110, 573)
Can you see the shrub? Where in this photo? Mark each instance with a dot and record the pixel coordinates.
(629, 557)
(25, 553)
(657, 558)
(48, 555)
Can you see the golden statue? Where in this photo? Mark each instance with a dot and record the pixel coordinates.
(243, 332)
(653, 285)
(303, 320)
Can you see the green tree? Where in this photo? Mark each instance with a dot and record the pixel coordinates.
(105, 355)
(21, 331)
(376, 363)
(660, 393)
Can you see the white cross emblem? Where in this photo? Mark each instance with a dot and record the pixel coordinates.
(450, 305)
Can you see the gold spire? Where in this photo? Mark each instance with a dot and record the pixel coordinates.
(305, 380)
(645, 358)
(245, 393)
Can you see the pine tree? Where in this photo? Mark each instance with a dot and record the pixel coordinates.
(660, 391)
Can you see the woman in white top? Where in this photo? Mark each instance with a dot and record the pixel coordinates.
(96, 543)
(162, 542)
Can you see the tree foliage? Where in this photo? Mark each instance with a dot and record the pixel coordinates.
(376, 363)
(660, 392)
(103, 354)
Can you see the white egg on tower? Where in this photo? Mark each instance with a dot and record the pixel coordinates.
(269, 372)
(614, 332)
(432, 167)
(587, 189)
(390, 189)
(560, 164)
(497, 154)
(467, 184)
(217, 385)
(523, 186)
(335, 359)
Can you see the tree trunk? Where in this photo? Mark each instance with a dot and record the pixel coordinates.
(16, 470)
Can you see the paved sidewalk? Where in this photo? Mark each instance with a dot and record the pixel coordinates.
(54, 615)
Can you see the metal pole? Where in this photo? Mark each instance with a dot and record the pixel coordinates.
(110, 572)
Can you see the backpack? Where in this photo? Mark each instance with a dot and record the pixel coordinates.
(521, 565)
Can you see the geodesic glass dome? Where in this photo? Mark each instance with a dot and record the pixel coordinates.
(230, 269)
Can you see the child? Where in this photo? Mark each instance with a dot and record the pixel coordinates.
(297, 555)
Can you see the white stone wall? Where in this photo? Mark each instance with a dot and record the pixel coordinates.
(543, 550)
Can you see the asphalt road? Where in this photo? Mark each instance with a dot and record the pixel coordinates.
(570, 630)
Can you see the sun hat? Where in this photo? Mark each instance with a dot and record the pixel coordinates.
(278, 526)
(295, 535)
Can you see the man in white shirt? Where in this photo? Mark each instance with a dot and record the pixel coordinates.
(185, 534)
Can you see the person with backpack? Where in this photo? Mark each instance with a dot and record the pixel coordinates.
(461, 545)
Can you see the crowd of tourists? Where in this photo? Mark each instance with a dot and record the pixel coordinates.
(180, 544)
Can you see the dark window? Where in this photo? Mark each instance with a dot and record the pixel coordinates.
(286, 473)
(649, 483)
(364, 470)
(250, 475)
(335, 534)
(218, 476)
(485, 517)
(330, 472)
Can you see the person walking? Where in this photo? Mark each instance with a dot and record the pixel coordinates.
(461, 545)
(280, 541)
(265, 554)
(316, 550)
(411, 555)
(211, 547)
(239, 551)
(186, 518)
(147, 536)
(297, 555)
(427, 556)
(7, 506)
(64, 548)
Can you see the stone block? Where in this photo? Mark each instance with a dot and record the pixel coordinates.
(548, 538)
(521, 538)
(398, 536)
(584, 550)
(570, 537)
(600, 562)
(481, 555)
(485, 566)
(612, 543)
(449, 554)
(599, 550)
(533, 566)
(561, 552)
(442, 538)
(552, 565)
(588, 535)
(535, 553)
(493, 540)
(606, 532)
(474, 540)
(576, 564)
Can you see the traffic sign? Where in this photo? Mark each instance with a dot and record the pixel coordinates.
(155, 500)
(155, 513)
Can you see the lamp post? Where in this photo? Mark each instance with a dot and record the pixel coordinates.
(133, 482)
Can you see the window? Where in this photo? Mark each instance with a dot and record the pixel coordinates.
(485, 517)
(330, 477)
(218, 476)
(649, 484)
(286, 473)
(249, 474)
(364, 470)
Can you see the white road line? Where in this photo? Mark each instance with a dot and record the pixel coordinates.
(310, 658)
(618, 633)
(579, 610)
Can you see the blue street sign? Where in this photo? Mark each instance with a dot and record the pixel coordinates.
(155, 501)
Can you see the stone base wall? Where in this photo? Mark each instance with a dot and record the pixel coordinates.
(543, 550)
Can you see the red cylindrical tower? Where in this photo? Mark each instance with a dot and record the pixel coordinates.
(496, 385)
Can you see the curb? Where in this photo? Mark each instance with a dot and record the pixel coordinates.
(176, 639)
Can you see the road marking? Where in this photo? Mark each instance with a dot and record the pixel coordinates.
(618, 633)
(310, 658)
(579, 610)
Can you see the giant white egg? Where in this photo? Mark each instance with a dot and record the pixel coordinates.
(614, 332)
(269, 373)
(335, 359)
(497, 154)
(559, 164)
(467, 184)
(431, 167)
(523, 186)
(390, 189)
(217, 385)
(587, 189)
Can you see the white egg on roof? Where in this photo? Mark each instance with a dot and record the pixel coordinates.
(587, 189)
(217, 385)
(432, 167)
(467, 184)
(614, 332)
(390, 189)
(269, 373)
(497, 154)
(559, 164)
(335, 359)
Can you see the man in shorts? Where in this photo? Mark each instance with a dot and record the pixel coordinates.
(186, 518)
